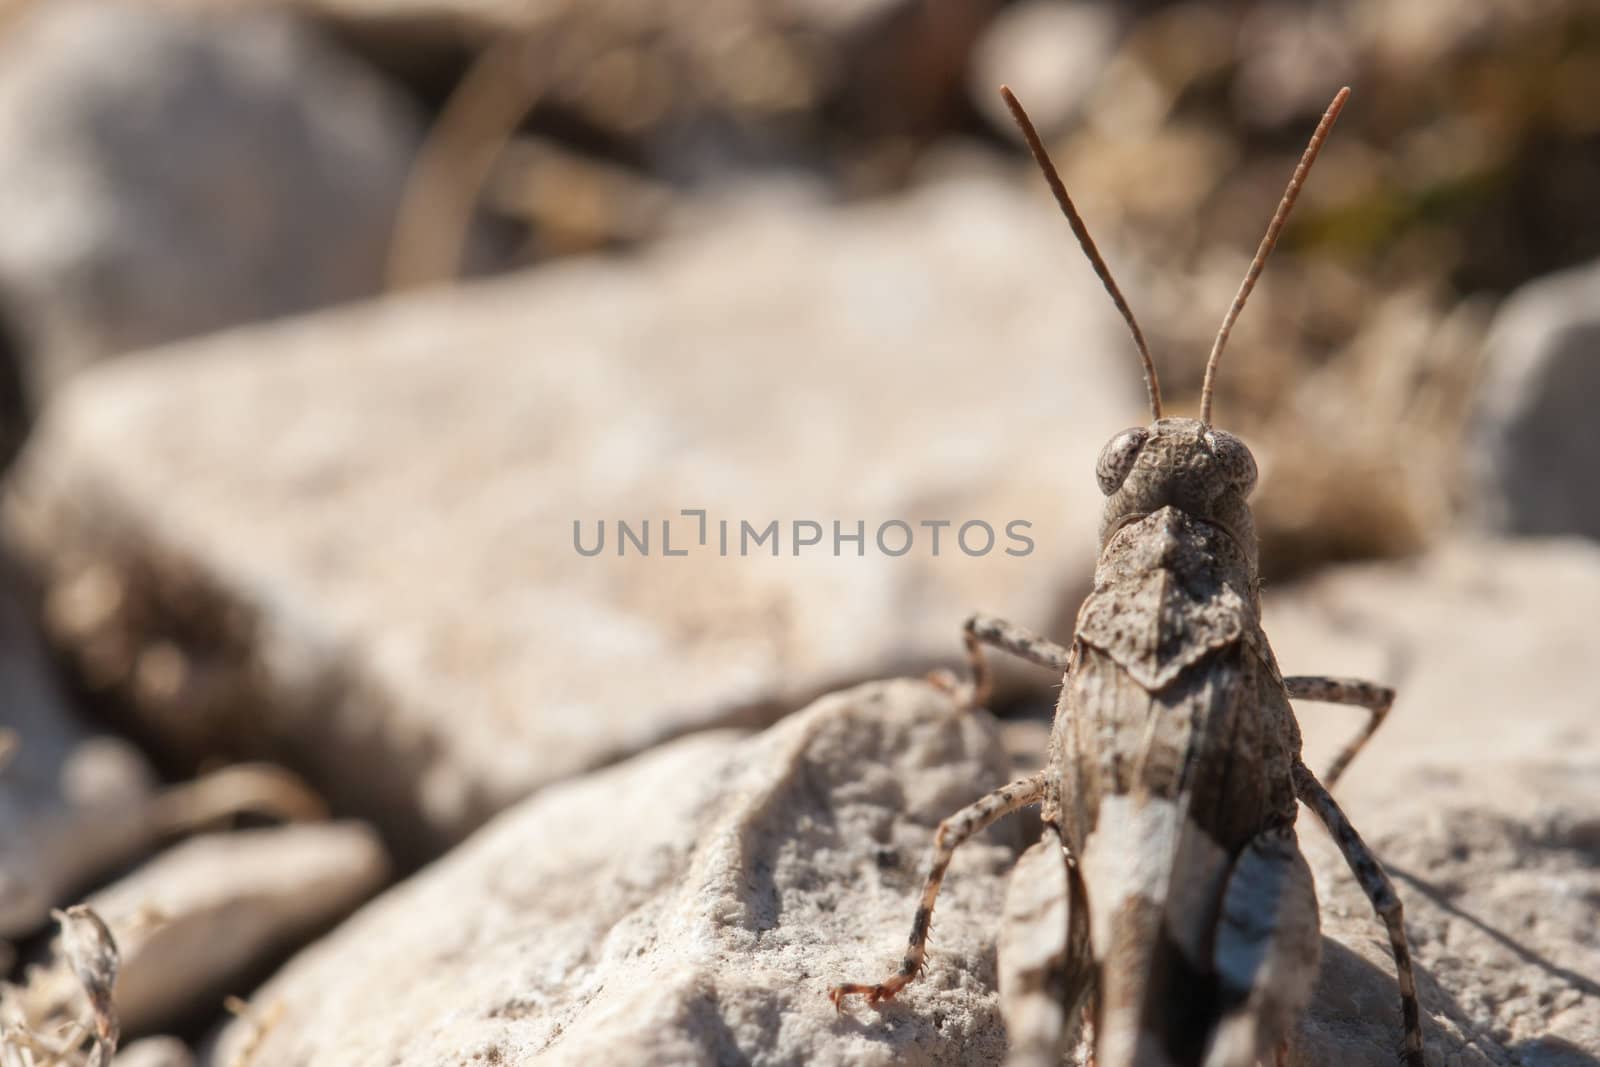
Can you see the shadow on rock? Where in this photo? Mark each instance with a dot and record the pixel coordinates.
(1354, 1018)
(1441, 899)
(1551, 1052)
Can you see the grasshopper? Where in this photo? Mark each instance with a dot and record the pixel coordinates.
(1169, 902)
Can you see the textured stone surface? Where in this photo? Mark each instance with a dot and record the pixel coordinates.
(690, 906)
(1499, 874)
(1478, 793)
(1536, 441)
(194, 921)
(163, 175)
(347, 542)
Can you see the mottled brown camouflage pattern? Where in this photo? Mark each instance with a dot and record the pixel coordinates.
(1187, 916)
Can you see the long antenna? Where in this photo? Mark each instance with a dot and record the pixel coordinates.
(1267, 243)
(1053, 179)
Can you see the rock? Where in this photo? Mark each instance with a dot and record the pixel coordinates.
(165, 175)
(1499, 875)
(154, 1052)
(691, 905)
(99, 811)
(1486, 825)
(208, 913)
(349, 541)
(1477, 794)
(1483, 642)
(1534, 437)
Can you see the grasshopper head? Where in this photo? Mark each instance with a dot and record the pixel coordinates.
(1186, 465)
(1202, 471)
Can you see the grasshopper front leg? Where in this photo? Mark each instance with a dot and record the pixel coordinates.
(1377, 699)
(1381, 892)
(980, 630)
(952, 833)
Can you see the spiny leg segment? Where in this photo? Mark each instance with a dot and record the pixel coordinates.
(1381, 892)
(980, 630)
(1377, 699)
(952, 833)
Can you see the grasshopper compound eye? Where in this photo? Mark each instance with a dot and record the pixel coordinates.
(1238, 465)
(1118, 457)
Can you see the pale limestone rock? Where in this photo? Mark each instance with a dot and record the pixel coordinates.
(164, 174)
(347, 542)
(1534, 436)
(200, 917)
(1499, 876)
(692, 905)
(1478, 793)
(1485, 643)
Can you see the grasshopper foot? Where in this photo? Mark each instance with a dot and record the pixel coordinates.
(963, 692)
(875, 994)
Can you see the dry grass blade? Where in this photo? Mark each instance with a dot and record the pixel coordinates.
(435, 214)
(261, 788)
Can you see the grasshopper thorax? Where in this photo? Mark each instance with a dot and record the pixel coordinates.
(1183, 464)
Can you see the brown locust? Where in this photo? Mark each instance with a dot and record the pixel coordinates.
(1168, 902)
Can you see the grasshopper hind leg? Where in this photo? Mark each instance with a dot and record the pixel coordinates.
(1355, 692)
(1267, 948)
(1385, 902)
(958, 828)
(1046, 968)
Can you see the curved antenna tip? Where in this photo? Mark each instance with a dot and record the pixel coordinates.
(1079, 230)
(1290, 194)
